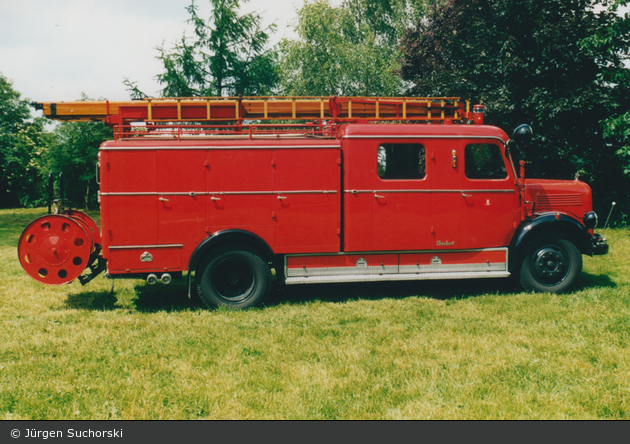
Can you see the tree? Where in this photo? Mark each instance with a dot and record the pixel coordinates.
(21, 140)
(618, 129)
(346, 50)
(228, 56)
(388, 18)
(73, 152)
(616, 39)
(531, 61)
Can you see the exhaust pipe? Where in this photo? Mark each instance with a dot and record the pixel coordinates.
(166, 279)
(152, 279)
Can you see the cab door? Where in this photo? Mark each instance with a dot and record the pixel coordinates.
(490, 212)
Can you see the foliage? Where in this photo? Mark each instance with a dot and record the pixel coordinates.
(555, 65)
(73, 152)
(228, 55)
(615, 39)
(21, 141)
(134, 92)
(388, 18)
(618, 128)
(28, 153)
(346, 50)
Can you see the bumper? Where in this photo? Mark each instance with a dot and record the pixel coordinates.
(599, 245)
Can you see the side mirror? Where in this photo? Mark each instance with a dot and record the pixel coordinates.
(522, 135)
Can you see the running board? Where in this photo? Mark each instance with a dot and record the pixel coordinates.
(396, 266)
(395, 277)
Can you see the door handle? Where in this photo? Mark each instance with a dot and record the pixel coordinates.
(376, 196)
(215, 198)
(163, 199)
(282, 197)
(466, 195)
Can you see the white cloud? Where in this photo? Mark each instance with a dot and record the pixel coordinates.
(54, 50)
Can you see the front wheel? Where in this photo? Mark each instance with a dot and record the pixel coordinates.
(551, 265)
(233, 278)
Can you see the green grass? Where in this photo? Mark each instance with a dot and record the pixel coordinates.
(439, 350)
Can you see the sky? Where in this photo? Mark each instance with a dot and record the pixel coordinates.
(54, 50)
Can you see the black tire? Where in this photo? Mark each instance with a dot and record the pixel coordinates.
(235, 278)
(551, 265)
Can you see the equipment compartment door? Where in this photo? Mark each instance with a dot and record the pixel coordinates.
(240, 187)
(180, 199)
(306, 199)
(129, 207)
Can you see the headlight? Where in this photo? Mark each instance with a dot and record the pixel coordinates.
(590, 220)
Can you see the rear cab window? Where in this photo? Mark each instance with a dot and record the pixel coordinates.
(401, 161)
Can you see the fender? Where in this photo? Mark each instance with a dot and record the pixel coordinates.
(227, 236)
(558, 222)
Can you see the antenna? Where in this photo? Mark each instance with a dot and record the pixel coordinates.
(609, 213)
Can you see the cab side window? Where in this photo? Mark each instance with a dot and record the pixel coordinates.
(484, 161)
(401, 161)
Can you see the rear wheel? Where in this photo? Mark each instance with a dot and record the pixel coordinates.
(551, 265)
(235, 278)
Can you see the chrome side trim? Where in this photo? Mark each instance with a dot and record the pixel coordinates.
(427, 269)
(490, 191)
(396, 277)
(342, 271)
(130, 194)
(404, 191)
(218, 193)
(358, 191)
(131, 247)
(429, 191)
(217, 147)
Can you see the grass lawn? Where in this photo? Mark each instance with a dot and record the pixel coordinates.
(478, 349)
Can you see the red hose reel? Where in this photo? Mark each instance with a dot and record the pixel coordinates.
(56, 249)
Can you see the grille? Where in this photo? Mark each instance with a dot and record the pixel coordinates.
(547, 202)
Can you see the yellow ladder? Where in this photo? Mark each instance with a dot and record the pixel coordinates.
(224, 109)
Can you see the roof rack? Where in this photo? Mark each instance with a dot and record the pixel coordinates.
(238, 109)
(244, 131)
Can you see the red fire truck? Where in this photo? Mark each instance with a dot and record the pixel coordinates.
(354, 195)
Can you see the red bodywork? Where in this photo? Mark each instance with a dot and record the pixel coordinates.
(320, 202)
(334, 200)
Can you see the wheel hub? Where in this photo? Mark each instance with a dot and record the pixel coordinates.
(550, 264)
(54, 250)
(233, 279)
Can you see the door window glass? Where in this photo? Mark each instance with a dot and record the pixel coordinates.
(401, 161)
(484, 161)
